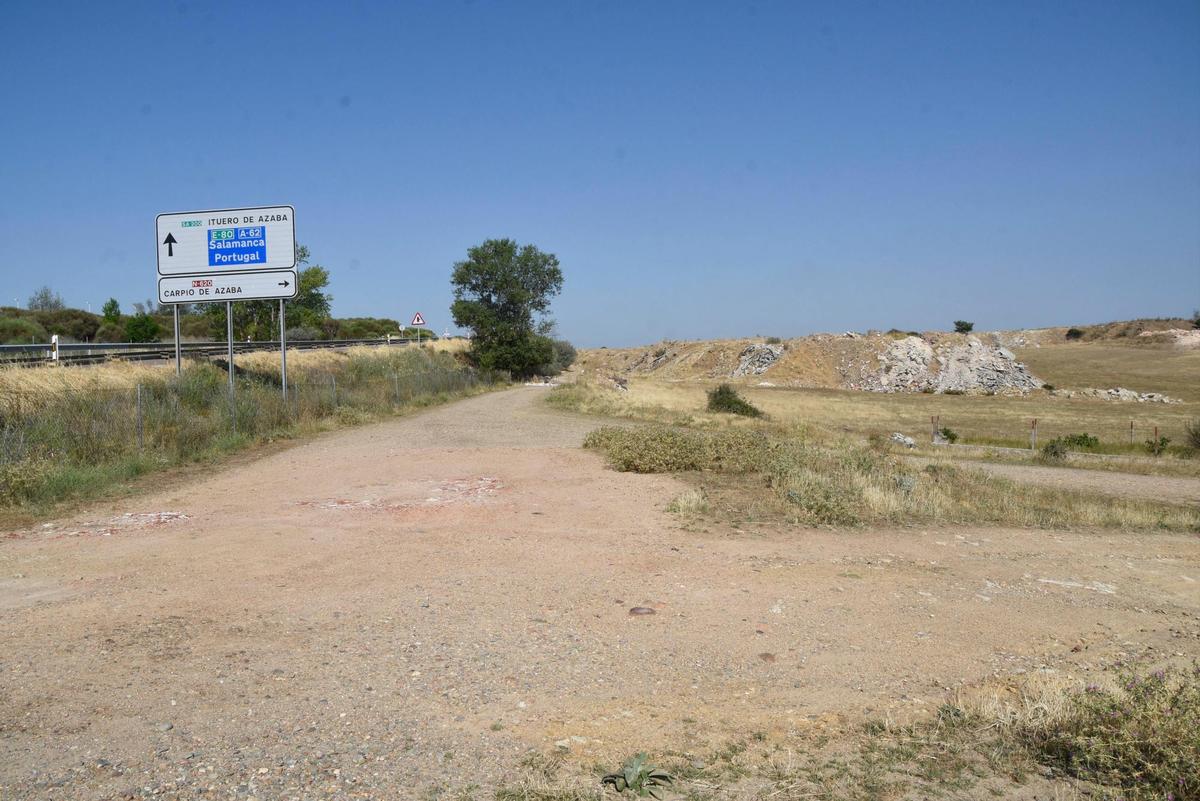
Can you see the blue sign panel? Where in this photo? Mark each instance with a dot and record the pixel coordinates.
(237, 247)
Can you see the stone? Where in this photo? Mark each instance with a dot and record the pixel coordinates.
(756, 359)
(901, 439)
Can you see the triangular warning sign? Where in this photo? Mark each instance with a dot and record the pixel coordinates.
(418, 319)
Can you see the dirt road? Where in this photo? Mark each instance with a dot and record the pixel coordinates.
(1168, 489)
(411, 605)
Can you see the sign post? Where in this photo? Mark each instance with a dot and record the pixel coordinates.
(283, 351)
(227, 255)
(178, 346)
(417, 322)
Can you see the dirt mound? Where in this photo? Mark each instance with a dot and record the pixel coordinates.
(876, 362)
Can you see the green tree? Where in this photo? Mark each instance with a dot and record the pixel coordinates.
(963, 327)
(259, 319)
(502, 293)
(111, 310)
(46, 299)
(142, 328)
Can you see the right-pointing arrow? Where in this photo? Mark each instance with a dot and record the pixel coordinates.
(285, 283)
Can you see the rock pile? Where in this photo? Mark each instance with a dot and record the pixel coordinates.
(1115, 394)
(914, 365)
(756, 359)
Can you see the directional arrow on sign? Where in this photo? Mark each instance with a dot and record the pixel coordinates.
(285, 283)
(170, 243)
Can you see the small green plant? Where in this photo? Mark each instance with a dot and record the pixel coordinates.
(726, 399)
(948, 434)
(963, 326)
(1074, 333)
(773, 340)
(1055, 450)
(1048, 387)
(953, 392)
(1081, 441)
(639, 778)
(1157, 447)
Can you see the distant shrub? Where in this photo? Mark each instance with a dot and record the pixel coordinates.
(1048, 387)
(963, 327)
(110, 332)
(1081, 441)
(1157, 447)
(142, 328)
(949, 434)
(1074, 333)
(21, 331)
(301, 333)
(1055, 450)
(773, 340)
(954, 392)
(725, 399)
(1192, 432)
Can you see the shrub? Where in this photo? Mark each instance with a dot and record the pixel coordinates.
(302, 333)
(1048, 387)
(1143, 736)
(949, 434)
(725, 399)
(142, 328)
(1157, 447)
(1081, 441)
(954, 392)
(963, 326)
(110, 332)
(773, 340)
(1055, 450)
(1192, 431)
(21, 331)
(1074, 333)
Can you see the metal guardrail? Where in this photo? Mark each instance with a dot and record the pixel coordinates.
(92, 352)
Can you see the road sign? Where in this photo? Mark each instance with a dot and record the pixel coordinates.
(226, 240)
(279, 284)
(418, 320)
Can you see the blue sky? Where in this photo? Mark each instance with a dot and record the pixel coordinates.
(701, 169)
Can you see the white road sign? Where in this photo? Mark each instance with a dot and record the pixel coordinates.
(418, 320)
(226, 240)
(229, 286)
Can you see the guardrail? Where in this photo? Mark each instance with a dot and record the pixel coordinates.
(92, 352)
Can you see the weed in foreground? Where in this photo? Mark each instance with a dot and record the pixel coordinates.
(724, 398)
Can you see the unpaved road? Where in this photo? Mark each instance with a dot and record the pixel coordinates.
(418, 603)
(1168, 489)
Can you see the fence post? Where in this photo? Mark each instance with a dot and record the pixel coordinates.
(140, 429)
(1130, 432)
(333, 389)
(396, 384)
(1033, 435)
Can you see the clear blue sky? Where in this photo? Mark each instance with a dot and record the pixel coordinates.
(701, 169)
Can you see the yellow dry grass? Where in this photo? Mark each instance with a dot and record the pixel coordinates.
(49, 380)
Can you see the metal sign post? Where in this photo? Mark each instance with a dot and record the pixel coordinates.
(178, 346)
(283, 350)
(229, 339)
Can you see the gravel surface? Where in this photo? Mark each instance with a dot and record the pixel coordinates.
(391, 610)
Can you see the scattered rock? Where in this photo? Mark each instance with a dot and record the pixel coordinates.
(165, 726)
(767, 657)
(962, 366)
(1115, 394)
(641, 610)
(901, 439)
(756, 359)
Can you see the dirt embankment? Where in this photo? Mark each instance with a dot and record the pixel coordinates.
(414, 605)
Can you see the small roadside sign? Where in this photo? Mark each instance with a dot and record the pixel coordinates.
(275, 285)
(418, 320)
(226, 240)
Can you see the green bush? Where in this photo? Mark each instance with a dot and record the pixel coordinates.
(1192, 432)
(963, 326)
(1157, 447)
(1143, 736)
(1074, 333)
(725, 399)
(142, 328)
(110, 332)
(21, 331)
(773, 340)
(949, 434)
(1081, 442)
(1055, 450)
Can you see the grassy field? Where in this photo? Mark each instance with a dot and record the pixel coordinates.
(989, 420)
(1173, 371)
(71, 434)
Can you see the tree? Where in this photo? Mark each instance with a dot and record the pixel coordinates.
(46, 299)
(142, 328)
(963, 327)
(111, 310)
(501, 293)
(259, 319)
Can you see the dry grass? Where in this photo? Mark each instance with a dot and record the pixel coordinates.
(1173, 371)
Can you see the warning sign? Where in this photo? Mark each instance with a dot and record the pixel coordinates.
(418, 320)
